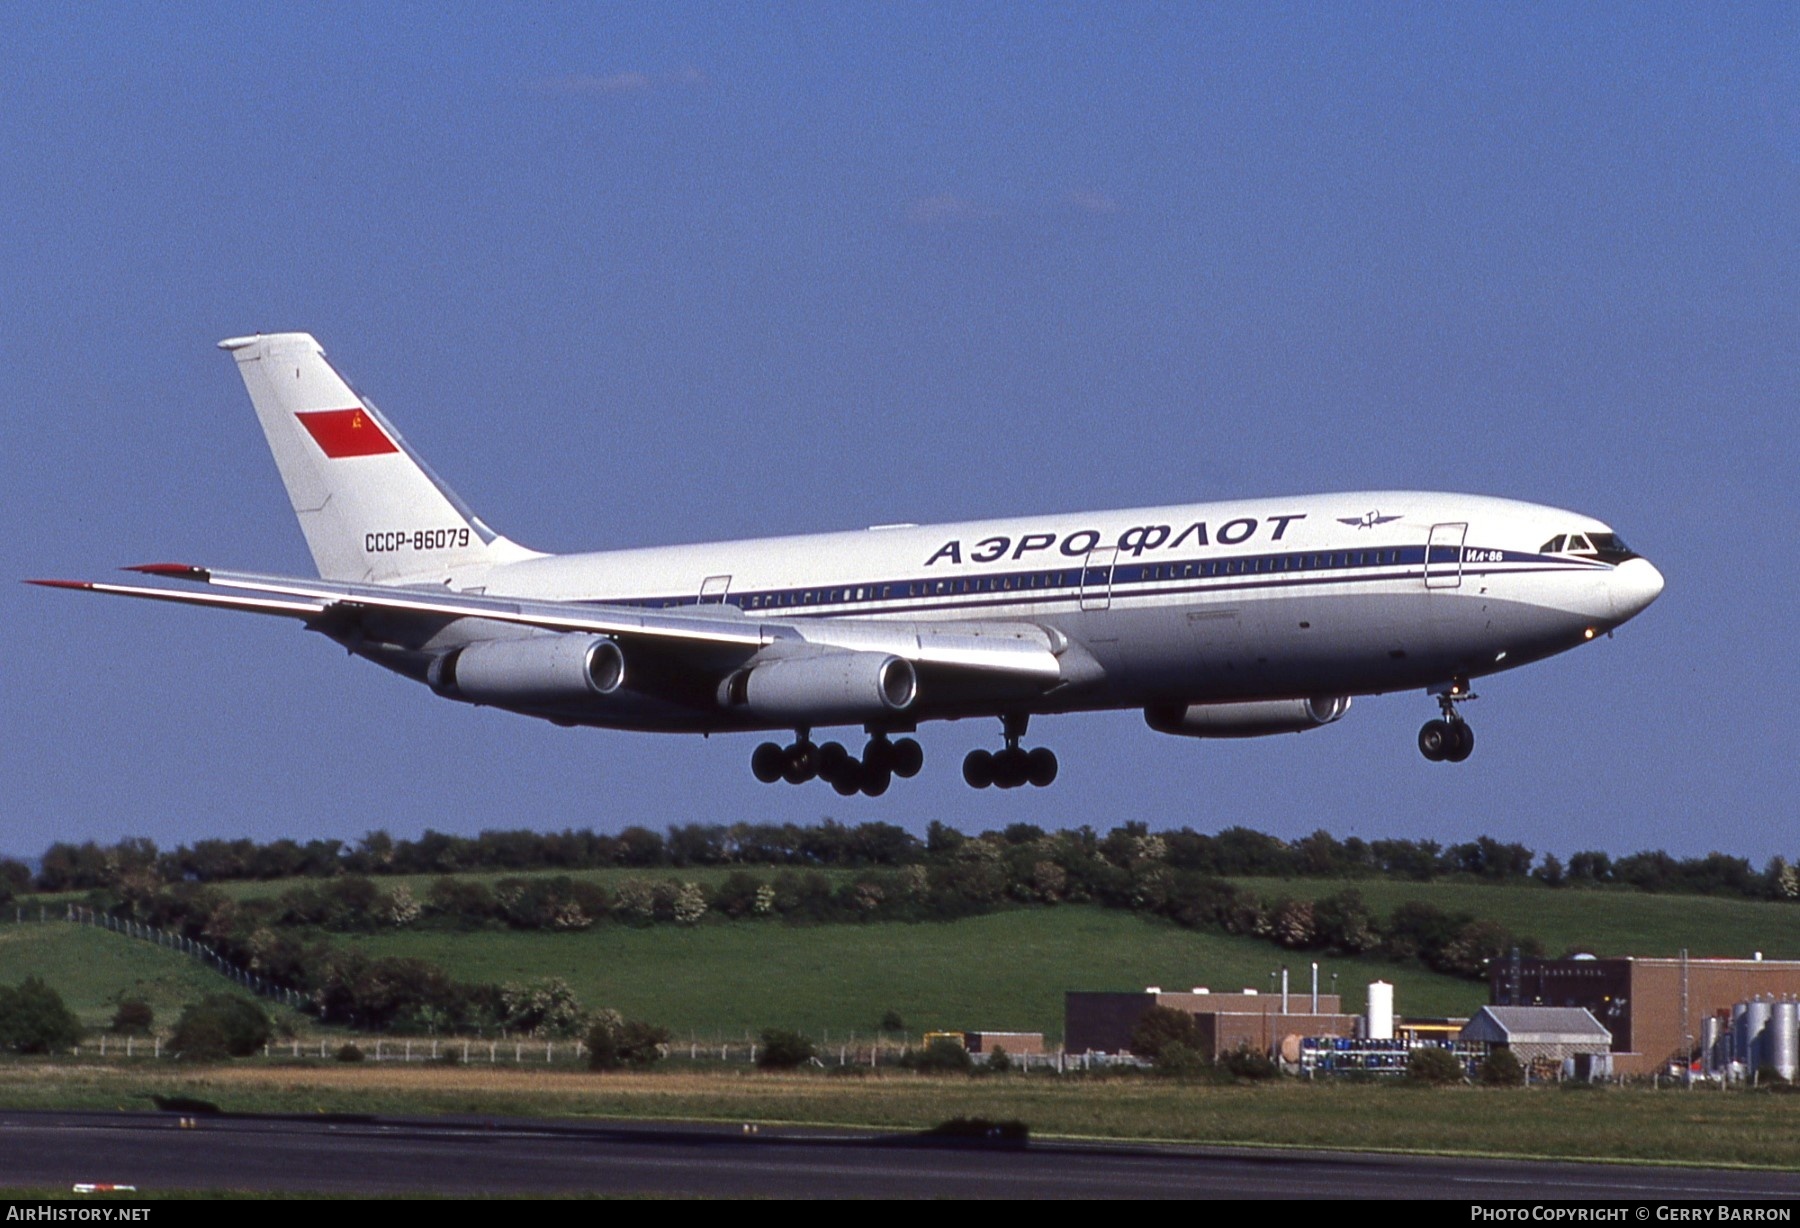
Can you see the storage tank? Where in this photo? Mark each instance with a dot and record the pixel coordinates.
(1752, 1048)
(1381, 1011)
(1782, 1040)
(1713, 1050)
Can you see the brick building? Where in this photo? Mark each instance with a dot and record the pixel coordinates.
(1640, 1000)
(1102, 1022)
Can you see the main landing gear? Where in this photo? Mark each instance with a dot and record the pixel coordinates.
(882, 760)
(1449, 739)
(1013, 766)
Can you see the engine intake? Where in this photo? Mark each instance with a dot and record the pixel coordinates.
(1246, 720)
(839, 688)
(541, 670)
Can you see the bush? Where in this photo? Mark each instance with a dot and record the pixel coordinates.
(219, 1026)
(892, 1022)
(132, 1018)
(1433, 1067)
(1247, 1063)
(1500, 1069)
(350, 1052)
(785, 1050)
(997, 1061)
(33, 1019)
(941, 1056)
(1181, 1060)
(615, 1042)
(1164, 1025)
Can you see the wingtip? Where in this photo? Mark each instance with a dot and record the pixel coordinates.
(62, 583)
(178, 571)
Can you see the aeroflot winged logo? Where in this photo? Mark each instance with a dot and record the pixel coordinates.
(346, 432)
(1367, 520)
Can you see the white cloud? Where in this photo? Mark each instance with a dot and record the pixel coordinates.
(946, 210)
(585, 83)
(1091, 202)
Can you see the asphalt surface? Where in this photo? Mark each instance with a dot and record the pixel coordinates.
(156, 1152)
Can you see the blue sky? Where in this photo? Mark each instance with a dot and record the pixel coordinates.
(649, 274)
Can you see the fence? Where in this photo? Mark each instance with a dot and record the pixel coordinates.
(864, 1052)
(75, 914)
(517, 1051)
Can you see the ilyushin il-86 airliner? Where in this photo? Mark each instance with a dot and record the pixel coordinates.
(1232, 619)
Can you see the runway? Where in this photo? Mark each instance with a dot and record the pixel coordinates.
(155, 1153)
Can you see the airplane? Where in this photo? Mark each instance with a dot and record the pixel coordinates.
(1241, 618)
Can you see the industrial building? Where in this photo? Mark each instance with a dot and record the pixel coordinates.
(1539, 1035)
(1656, 1009)
(1103, 1022)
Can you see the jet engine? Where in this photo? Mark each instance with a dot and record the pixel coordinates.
(1245, 720)
(838, 688)
(543, 670)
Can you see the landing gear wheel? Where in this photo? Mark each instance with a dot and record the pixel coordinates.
(835, 764)
(768, 763)
(1435, 740)
(909, 757)
(847, 783)
(1010, 767)
(878, 755)
(875, 782)
(1040, 767)
(978, 769)
(802, 763)
(1462, 744)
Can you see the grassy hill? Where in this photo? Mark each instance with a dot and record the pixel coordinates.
(92, 969)
(1604, 921)
(1005, 971)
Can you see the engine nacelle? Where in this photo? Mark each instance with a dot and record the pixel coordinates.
(838, 688)
(1246, 720)
(544, 670)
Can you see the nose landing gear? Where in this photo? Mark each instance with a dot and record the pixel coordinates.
(1013, 766)
(1450, 739)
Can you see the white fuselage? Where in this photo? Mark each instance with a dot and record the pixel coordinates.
(1312, 595)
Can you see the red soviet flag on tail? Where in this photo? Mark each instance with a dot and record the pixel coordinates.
(346, 432)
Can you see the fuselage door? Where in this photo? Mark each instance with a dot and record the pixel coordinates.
(1444, 555)
(713, 590)
(1097, 578)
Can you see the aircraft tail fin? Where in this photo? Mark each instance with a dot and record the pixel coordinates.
(371, 509)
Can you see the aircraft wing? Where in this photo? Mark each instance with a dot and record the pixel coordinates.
(1024, 652)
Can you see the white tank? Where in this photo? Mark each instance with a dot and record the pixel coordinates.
(1381, 1011)
(1753, 1043)
(1782, 1040)
(1712, 1045)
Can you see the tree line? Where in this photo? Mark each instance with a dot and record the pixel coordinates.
(1233, 852)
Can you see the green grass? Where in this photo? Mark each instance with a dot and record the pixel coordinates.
(1004, 972)
(1609, 921)
(1691, 1127)
(92, 969)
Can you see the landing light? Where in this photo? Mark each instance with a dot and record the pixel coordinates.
(1588, 634)
(1499, 657)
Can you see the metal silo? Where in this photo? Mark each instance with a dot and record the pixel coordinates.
(1753, 1045)
(1783, 1039)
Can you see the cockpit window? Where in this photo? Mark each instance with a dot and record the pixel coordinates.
(1611, 548)
(1605, 547)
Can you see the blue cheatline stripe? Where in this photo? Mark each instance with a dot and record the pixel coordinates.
(1128, 580)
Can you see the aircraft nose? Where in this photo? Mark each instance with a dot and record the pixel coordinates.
(1633, 585)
